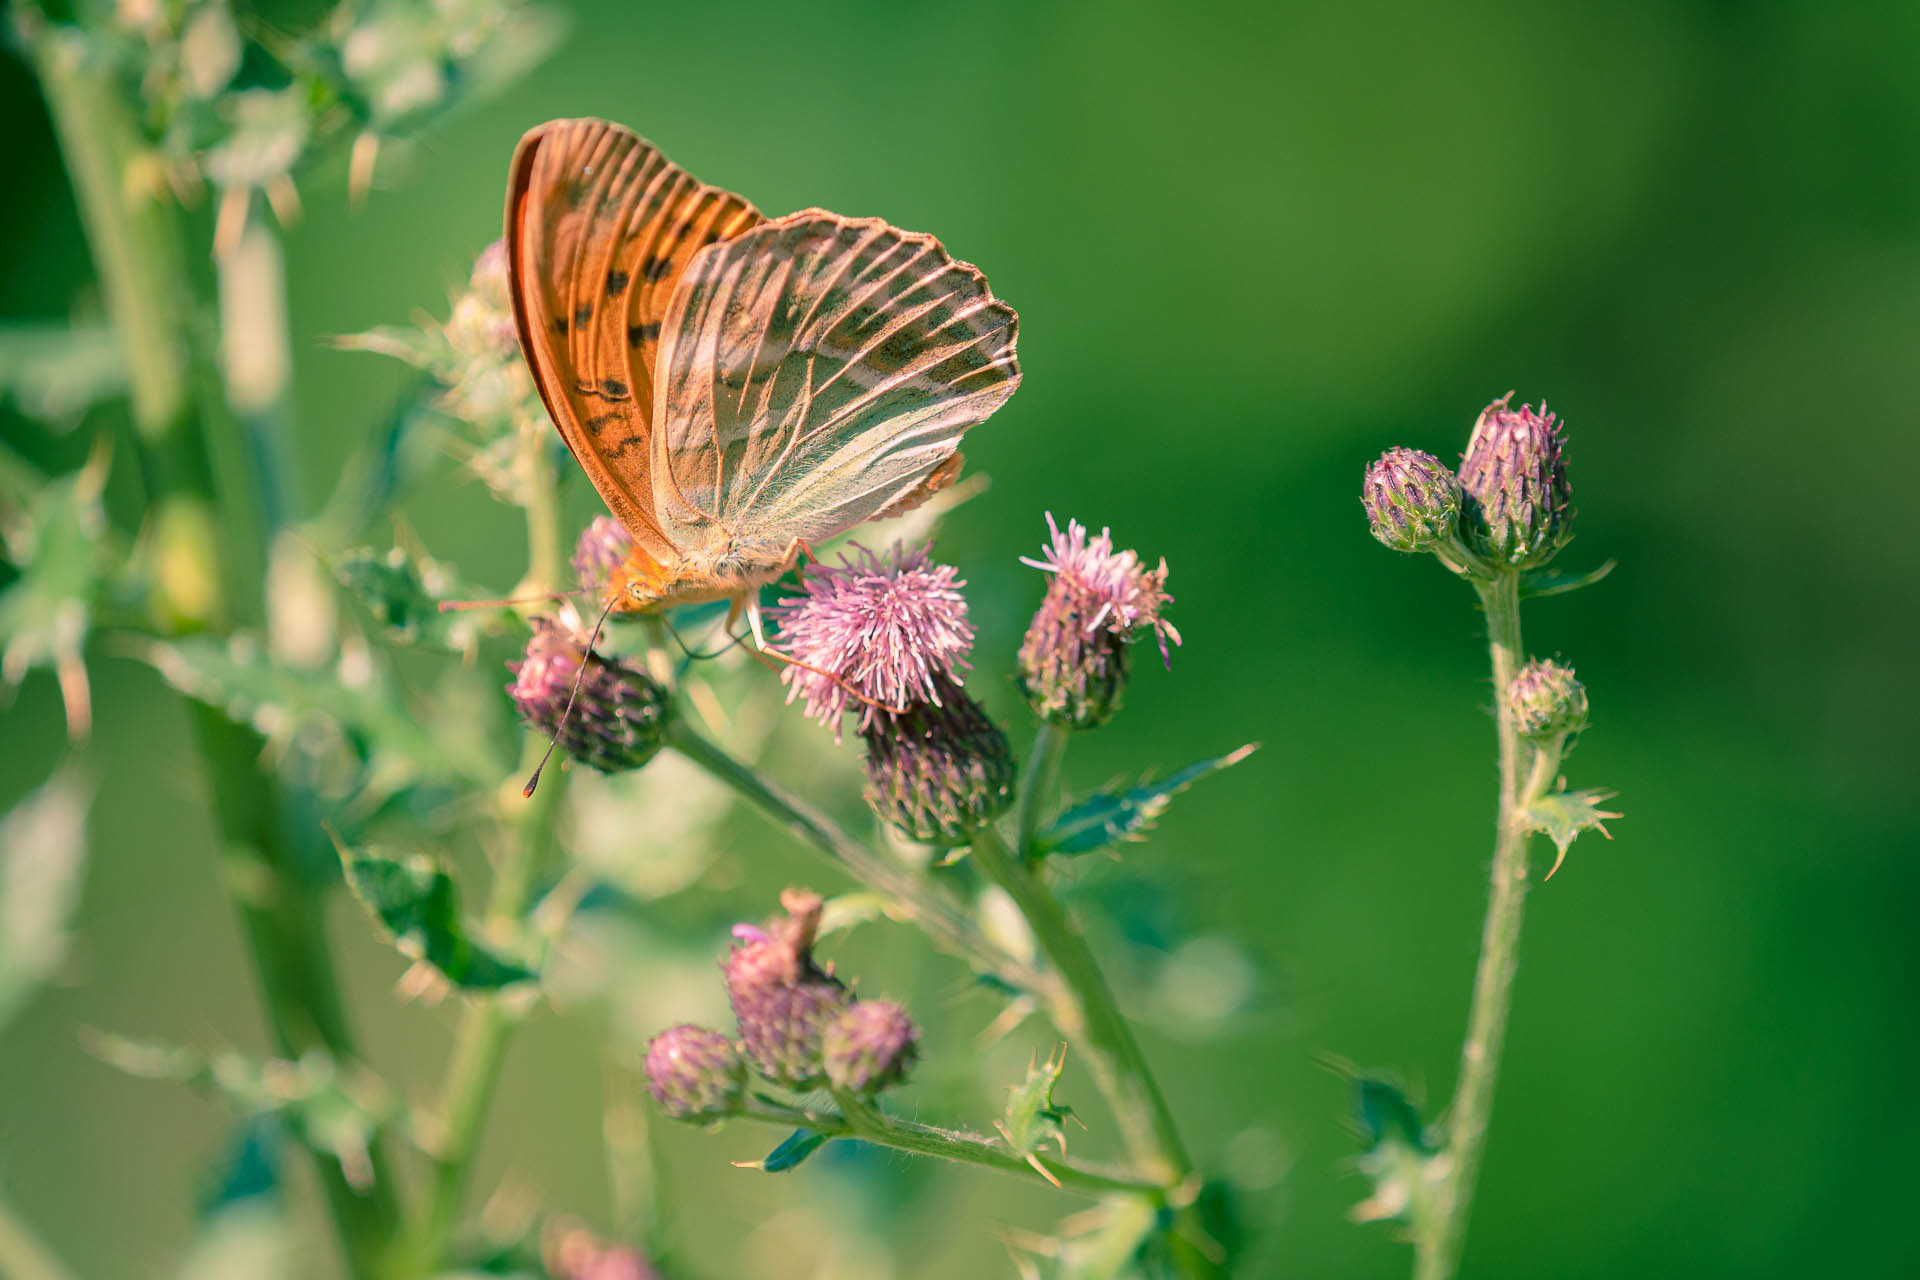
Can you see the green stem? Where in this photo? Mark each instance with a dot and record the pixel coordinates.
(856, 1119)
(135, 241)
(1437, 1249)
(912, 897)
(1083, 1008)
(23, 1255)
(1040, 786)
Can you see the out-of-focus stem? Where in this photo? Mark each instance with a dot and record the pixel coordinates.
(1437, 1248)
(1040, 786)
(911, 896)
(135, 242)
(23, 1255)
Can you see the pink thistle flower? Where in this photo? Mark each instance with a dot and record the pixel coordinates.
(1117, 590)
(894, 627)
(603, 546)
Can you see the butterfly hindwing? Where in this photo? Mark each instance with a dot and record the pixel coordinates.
(600, 230)
(818, 370)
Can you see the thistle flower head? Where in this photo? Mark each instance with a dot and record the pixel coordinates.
(1073, 661)
(1412, 500)
(694, 1073)
(602, 547)
(1517, 508)
(893, 627)
(940, 771)
(869, 1046)
(1547, 700)
(619, 717)
(571, 1252)
(481, 326)
(781, 999)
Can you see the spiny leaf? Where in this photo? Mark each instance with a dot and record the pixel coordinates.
(328, 1109)
(1033, 1118)
(43, 852)
(1112, 815)
(57, 541)
(55, 371)
(1562, 815)
(404, 592)
(238, 678)
(416, 901)
(800, 1144)
(1557, 582)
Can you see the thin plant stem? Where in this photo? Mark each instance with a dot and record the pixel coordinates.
(207, 571)
(23, 1255)
(480, 1044)
(1437, 1249)
(911, 896)
(1039, 786)
(1082, 1007)
(857, 1119)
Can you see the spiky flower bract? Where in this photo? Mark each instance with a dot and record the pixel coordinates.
(940, 771)
(694, 1073)
(892, 627)
(1547, 700)
(781, 999)
(869, 1046)
(1412, 500)
(617, 721)
(1073, 661)
(1517, 507)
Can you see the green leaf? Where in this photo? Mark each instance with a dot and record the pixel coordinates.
(1112, 815)
(800, 1144)
(56, 541)
(329, 1109)
(404, 592)
(1550, 582)
(1562, 815)
(244, 1232)
(238, 678)
(423, 346)
(55, 371)
(416, 902)
(43, 852)
(1033, 1118)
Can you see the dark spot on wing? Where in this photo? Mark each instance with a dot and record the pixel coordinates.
(616, 281)
(639, 333)
(613, 389)
(583, 313)
(600, 423)
(655, 269)
(623, 444)
(559, 324)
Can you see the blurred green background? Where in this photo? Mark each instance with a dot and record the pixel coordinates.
(1251, 246)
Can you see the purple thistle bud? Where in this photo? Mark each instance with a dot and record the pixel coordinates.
(695, 1074)
(869, 1046)
(892, 626)
(1412, 500)
(620, 716)
(1517, 508)
(941, 771)
(1073, 661)
(481, 326)
(602, 548)
(1547, 700)
(572, 1252)
(782, 1001)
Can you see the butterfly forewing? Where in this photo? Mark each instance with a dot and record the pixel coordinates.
(816, 371)
(600, 230)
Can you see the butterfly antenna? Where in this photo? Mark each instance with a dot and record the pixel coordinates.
(548, 597)
(579, 678)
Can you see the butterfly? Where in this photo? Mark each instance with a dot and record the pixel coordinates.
(738, 388)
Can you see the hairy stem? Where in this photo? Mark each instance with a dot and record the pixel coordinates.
(207, 570)
(1039, 786)
(911, 896)
(1437, 1248)
(858, 1119)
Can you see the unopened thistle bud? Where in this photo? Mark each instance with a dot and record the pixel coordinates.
(619, 717)
(1517, 508)
(1412, 500)
(869, 1046)
(940, 771)
(694, 1074)
(781, 999)
(1546, 700)
(1073, 661)
(602, 547)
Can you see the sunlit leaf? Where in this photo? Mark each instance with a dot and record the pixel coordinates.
(418, 905)
(1113, 815)
(43, 850)
(1033, 1118)
(1562, 815)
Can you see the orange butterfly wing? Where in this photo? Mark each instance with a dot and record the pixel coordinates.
(600, 227)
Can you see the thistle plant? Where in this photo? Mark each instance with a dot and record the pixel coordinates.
(1498, 524)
